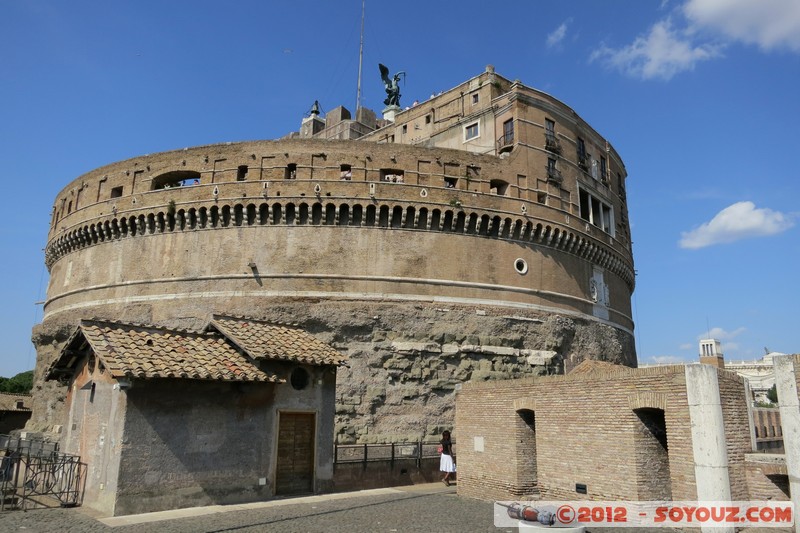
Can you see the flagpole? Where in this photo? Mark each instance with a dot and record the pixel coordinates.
(360, 59)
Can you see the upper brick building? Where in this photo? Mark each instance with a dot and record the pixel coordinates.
(480, 234)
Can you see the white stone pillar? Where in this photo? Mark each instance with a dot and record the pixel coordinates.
(708, 437)
(785, 367)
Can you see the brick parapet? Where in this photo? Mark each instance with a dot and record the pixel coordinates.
(85, 205)
(585, 434)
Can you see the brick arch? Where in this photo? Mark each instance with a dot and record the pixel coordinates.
(528, 403)
(648, 400)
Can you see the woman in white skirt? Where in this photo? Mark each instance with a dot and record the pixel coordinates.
(446, 463)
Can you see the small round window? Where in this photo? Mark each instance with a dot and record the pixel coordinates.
(521, 266)
(299, 378)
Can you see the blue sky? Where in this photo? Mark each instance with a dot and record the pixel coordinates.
(700, 98)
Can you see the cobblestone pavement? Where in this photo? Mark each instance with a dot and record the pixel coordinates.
(422, 508)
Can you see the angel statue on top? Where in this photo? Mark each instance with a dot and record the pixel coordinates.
(392, 85)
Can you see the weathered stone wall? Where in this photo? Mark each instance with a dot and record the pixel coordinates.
(404, 372)
(199, 443)
(406, 360)
(190, 444)
(379, 474)
(94, 432)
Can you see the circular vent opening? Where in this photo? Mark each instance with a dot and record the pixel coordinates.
(299, 378)
(521, 266)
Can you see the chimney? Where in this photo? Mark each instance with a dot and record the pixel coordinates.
(711, 353)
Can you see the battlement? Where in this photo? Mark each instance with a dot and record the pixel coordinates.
(180, 185)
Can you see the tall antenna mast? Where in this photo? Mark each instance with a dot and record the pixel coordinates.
(360, 59)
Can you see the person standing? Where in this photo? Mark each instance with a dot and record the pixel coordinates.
(446, 462)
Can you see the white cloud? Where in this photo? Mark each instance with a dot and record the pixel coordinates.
(721, 335)
(770, 24)
(667, 359)
(662, 53)
(557, 35)
(729, 347)
(738, 221)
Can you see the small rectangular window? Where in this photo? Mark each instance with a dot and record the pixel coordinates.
(116, 192)
(291, 171)
(583, 157)
(241, 173)
(427, 119)
(345, 172)
(499, 187)
(405, 129)
(475, 98)
(471, 131)
(603, 170)
(508, 132)
(392, 175)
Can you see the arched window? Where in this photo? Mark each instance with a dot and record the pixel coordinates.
(176, 178)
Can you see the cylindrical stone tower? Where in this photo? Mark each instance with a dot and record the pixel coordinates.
(481, 235)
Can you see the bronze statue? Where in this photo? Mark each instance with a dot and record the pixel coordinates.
(392, 86)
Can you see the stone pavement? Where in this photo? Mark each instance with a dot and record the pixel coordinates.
(418, 508)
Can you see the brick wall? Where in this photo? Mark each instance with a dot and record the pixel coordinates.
(604, 430)
(769, 433)
(766, 477)
(737, 430)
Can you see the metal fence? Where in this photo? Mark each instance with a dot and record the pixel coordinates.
(34, 474)
(365, 453)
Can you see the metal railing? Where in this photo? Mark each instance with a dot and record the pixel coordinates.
(366, 453)
(583, 161)
(552, 143)
(34, 474)
(505, 140)
(554, 174)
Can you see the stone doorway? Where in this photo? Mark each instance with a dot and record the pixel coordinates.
(525, 437)
(294, 473)
(653, 481)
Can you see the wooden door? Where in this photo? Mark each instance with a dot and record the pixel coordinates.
(295, 469)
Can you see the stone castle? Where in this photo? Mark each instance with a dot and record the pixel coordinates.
(481, 234)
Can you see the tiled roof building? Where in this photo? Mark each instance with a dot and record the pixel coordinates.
(163, 418)
(15, 401)
(15, 411)
(147, 352)
(264, 340)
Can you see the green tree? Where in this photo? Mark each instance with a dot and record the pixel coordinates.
(772, 394)
(21, 383)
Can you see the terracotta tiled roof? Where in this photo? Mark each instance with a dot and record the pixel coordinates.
(9, 401)
(591, 366)
(265, 340)
(146, 352)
